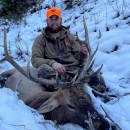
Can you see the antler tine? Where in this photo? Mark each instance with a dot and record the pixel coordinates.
(85, 77)
(87, 64)
(91, 58)
(91, 65)
(38, 80)
(87, 43)
(97, 71)
(28, 68)
(9, 59)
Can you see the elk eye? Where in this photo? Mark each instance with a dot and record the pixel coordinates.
(71, 107)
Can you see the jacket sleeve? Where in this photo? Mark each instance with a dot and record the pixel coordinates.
(38, 48)
(76, 50)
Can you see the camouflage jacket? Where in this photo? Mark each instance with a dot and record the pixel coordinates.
(64, 49)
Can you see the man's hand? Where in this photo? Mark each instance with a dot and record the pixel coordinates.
(83, 49)
(58, 67)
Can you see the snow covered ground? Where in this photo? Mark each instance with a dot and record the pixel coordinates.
(109, 27)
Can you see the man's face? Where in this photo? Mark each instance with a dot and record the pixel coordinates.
(54, 24)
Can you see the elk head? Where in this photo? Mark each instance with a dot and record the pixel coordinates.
(70, 105)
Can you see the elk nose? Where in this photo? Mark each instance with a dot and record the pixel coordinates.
(114, 127)
(105, 126)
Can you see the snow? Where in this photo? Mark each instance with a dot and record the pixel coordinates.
(113, 53)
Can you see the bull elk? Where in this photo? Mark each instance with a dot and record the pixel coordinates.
(70, 103)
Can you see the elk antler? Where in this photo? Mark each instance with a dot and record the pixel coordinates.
(86, 42)
(88, 63)
(27, 74)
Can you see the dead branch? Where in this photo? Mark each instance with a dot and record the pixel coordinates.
(124, 78)
(125, 94)
(21, 125)
(122, 86)
(110, 118)
(103, 95)
(110, 97)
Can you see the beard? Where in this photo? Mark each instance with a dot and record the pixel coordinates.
(53, 29)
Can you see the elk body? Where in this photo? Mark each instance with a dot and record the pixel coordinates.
(70, 103)
(64, 106)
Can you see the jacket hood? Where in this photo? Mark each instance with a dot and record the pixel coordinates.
(64, 32)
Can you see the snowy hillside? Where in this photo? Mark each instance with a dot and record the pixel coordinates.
(108, 24)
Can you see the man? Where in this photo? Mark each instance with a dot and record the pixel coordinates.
(56, 47)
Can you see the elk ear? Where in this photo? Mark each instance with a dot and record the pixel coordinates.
(53, 102)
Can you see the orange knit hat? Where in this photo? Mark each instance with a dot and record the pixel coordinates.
(53, 11)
